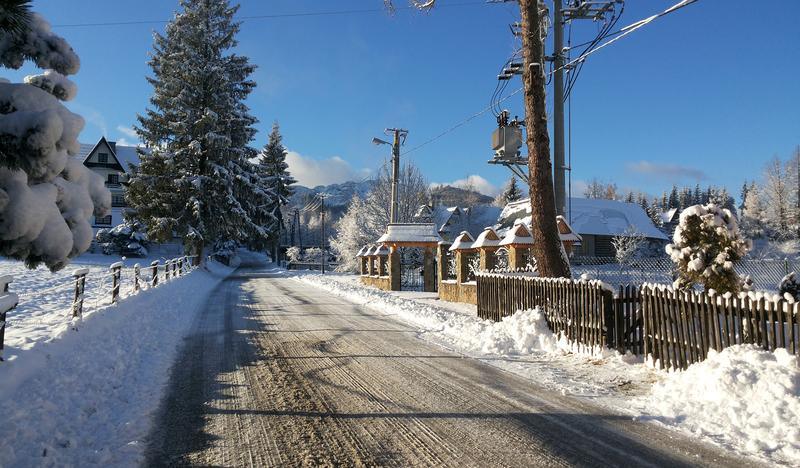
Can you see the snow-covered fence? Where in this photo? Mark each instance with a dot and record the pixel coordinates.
(582, 310)
(679, 327)
(673, 328)
(8, 301)
(99, 288)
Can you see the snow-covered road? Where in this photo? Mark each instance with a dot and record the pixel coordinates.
(279, 373)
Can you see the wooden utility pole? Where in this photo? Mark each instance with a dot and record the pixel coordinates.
(547, 248)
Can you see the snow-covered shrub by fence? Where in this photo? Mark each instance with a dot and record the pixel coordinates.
(706, 247)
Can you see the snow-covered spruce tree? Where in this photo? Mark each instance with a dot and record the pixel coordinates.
(47, 196)
(706, 247)
(275, 177)
(196, 180)
(511, 193)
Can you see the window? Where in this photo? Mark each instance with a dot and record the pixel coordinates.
(102, 220)
(102, 157)
(117, 199)
(113, 179)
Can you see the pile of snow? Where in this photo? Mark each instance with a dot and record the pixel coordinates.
(87, 397)
(743, 397)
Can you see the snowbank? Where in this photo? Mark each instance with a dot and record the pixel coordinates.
(743, 397)
(522, 333)
(86, 398)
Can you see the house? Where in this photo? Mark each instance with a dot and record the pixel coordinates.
(596, 222)
(112, 162)
(451, 221)
(669, 221)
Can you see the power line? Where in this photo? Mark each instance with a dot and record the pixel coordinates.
(622, 33)
(274, 16)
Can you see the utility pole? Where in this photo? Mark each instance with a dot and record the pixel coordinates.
(559, 183)
(322, 198)
(396, 143)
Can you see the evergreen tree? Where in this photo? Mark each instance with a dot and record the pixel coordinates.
(743, 195)
(511, 193)
(673, 198)
(275, 178)
(197, 180)
(697, 196)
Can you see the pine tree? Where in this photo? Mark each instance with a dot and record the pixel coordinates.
(673, 198)
(275, 177)
(511, 193)
(197, 181)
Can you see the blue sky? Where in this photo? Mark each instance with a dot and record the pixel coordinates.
(708, 93)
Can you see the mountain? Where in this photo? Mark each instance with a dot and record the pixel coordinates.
(339, 195)
(447, 195)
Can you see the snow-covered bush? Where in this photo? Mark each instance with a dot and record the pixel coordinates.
(627, 244)
(126, 239)
(47, 196)
(294, 254)
(789, 287)
(313, 255)
(706, 246)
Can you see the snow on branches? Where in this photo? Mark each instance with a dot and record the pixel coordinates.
(706, 247)
(47, 196)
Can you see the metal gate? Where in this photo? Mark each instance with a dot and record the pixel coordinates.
(411, 269)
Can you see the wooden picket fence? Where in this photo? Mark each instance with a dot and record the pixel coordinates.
(674, 328)
(582, 310)
(680, 327)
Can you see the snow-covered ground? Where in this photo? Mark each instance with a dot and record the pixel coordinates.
(85, 397)
(743, 398)
(45, 299)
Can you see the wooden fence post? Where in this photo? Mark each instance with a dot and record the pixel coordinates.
(8, 301)
(136, 276)
(167, 266)
(116, 274)
(154, 266)
(180, 266)
(80, 288)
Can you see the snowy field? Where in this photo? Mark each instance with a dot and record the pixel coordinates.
(85, 397)
(44, 311)
(743, 398)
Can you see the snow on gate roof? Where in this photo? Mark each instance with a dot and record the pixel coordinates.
(410, 233)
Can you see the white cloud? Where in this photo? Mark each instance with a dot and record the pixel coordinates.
(671, 172)
(312, 172)
(474, 181)
(127, 131)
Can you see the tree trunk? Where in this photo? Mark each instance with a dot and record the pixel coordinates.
(547, 247)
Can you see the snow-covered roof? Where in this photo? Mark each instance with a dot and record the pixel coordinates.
(125, 155)
(669, 215)
(464, 241)
(565, 231)
(518, 235)
(380, 250)
(363, 251)
(590, 217)
(415, 233)
(487, 238)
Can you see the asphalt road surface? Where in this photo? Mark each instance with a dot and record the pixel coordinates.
(278, 373)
